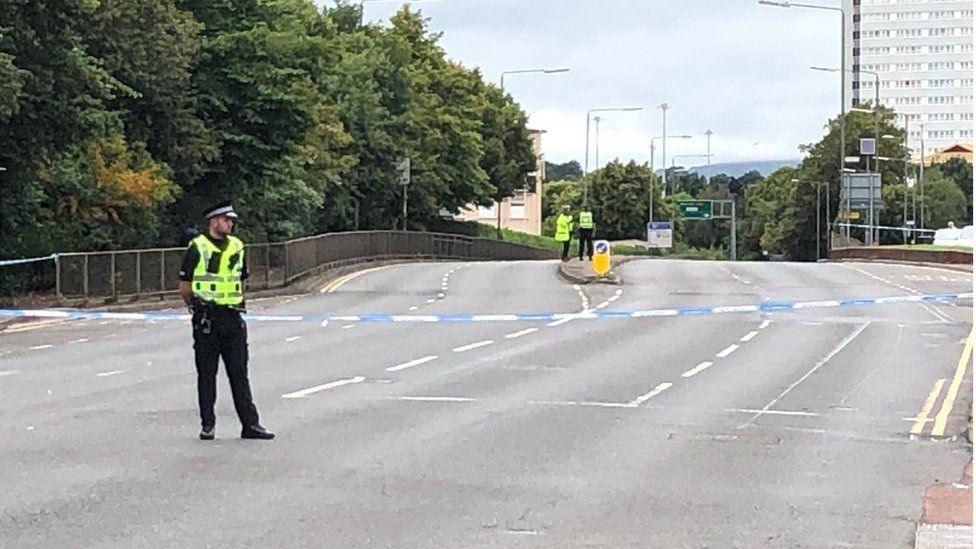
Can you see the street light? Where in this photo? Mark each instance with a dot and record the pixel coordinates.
(650, 190)
(586, 156)
(843, 66)
(525, 71)
(498, 205)
(819, 184)
(877, 100)
(708, 149)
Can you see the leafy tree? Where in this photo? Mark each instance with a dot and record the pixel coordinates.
(571, 171)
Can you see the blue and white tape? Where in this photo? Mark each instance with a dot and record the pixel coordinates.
(764, 307)
(5, 262)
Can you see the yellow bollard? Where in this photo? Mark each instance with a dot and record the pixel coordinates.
(601, 257)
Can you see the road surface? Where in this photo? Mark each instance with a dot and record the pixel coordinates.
(815, 428)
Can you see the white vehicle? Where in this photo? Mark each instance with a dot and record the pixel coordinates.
(954, 237)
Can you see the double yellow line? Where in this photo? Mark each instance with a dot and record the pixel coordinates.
(939, 427)
(337, 283)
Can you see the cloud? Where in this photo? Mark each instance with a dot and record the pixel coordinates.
(730, 65)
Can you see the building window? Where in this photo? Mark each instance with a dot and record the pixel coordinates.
(517, 210)
(968, 116)
(966, 134)
(941, 134)
(937, 49)
(941, 117)
(486, 212)
(941, 83)
(941, 100)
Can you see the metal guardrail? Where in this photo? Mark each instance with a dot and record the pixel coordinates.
(154, 272)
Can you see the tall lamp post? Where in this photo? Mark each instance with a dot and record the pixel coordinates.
(586, 156)
(843, 65)
(498, 205)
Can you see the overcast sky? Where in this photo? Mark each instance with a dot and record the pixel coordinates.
(734, 66)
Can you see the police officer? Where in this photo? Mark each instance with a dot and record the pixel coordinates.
(564, 230)
(211, 282)
(586, 227)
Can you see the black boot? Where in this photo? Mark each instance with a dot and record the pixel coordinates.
(257, 432)
(207, 432)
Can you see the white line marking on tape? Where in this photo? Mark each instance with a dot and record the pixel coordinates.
(464, 348)
(727, 351)
(317, 388)
(521, 333)
(697, 369)
(650, 394)
(39, 347)
(412, 363)
(292, 338)
(112, 373)
(750, 335)
(439, 399)
(833, 352)
(765, 324)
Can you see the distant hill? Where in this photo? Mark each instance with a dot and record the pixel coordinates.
(735, 169)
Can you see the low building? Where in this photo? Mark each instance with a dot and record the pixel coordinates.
(522, 212)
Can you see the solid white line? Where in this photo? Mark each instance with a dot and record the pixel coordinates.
(414, 308)
(431, 300)
(292, 338)
(749, 336)
(613, 298)
(464, 348)
(348, 326)
(521, 333)
(727, 351)
(576, 287)
(618, 292)
(440, 296)
(411, 363)
(560, 322)
(764, 325)
(700, 368)
(317, 388)
(580, 403)
(8, 372)
(33, 325)
(439, 399)
(112, 373)
(774, 412)
(39, 347)
(603, 305)
(82, 340)
(833, 352)
(650, 394)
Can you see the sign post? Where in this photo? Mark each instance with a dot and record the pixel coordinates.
(660, 234)
(403, 166)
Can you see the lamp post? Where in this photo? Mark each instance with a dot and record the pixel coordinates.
(820, 184)
(650, 190)
(708, 146)
(498, 205)
(843, 66)
(526, 71)
(586, 156)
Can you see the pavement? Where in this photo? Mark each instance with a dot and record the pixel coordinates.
(808, 428)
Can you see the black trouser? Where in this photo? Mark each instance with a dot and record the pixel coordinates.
(227, 338)
(586, 238)
(565, 250)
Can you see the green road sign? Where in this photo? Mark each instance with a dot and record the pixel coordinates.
(695, 209)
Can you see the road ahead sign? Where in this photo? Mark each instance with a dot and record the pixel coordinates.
(659, 234)
(601, 257)
(695, 209)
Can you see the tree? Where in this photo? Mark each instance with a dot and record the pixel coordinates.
(570, 171)
(944, 201)
(961, 172)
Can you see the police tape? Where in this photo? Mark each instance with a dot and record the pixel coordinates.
(764, 307)
(5, 262)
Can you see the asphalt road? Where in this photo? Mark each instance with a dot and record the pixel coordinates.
(815, 428)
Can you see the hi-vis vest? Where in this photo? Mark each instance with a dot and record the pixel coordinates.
(564, 225)
(586, 220)
(224, 286)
